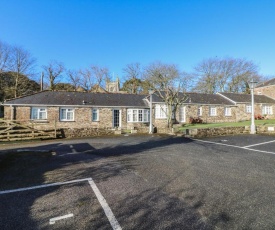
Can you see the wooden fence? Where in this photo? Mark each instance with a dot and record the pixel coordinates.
(12, 130)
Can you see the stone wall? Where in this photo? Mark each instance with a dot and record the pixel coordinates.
(266, 90)
(267, 129)
(192, 111)
(210, 132)
(85, 132)
(242, 115)
(224, 131)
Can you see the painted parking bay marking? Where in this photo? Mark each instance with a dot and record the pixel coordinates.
(108, 212)
(267, 142)
(234, 146)
(52, 220)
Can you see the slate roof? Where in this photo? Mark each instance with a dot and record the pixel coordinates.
(56, 98)
(267, 83)
(199, 98)
(246, 98)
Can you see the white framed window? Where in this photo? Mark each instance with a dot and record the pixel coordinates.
(199, 111)
(38, 113)
(182, 114)
(248, 109)
(95, 115)
(213, 111)
(66, 114)
(161, 111)
(227, 111)
(138, 115)
(267, 110)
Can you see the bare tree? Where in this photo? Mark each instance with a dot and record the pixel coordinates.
(53, 72)
(86, 80)
(5, 57)
(101, 74)
(166, 79)
(224, 75)
(133, 81)
(74, 78)
(21, 63)
(94, 75)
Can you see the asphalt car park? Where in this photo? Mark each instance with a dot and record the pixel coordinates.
(140, 182)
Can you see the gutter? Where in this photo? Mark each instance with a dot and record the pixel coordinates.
(81, 106)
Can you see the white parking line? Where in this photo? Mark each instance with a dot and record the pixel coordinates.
(259, 144)
(234, 146)
(42, 186)
(52, 220)
(113, 221)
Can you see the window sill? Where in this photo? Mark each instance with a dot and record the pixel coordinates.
(137, 121)
(39, 121)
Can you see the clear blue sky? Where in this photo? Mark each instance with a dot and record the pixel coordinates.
(114, 33)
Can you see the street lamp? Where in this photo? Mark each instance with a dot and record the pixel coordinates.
(151, 113)
(252, 86)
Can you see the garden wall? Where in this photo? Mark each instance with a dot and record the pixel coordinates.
(210, 132)
(223, 131)
(85, 132)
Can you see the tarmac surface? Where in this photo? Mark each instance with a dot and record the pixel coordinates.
(140, 182)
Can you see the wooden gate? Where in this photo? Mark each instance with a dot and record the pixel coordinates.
(25, 130)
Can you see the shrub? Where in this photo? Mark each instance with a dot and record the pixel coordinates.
(259, 117)
(195, 120)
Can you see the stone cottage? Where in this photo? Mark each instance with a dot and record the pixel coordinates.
(69, 110)
(264, 106)
(266, 88)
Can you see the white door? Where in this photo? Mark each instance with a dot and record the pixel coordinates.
(182, 114)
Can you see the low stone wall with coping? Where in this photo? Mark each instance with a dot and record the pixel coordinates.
(266, 129)
(223, 131)
(211, 132)
(85, 132)
(92, 132)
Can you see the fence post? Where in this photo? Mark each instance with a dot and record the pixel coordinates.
(32, 128)
(8, 133)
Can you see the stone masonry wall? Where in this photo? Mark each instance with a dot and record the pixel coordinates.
(267, 91)
(210, 132)
(242, 115)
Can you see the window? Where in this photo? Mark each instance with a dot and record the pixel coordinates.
(267, 110)
(138, 115)
(227, 111)
(66, 114)
(95, 115)
(199, 111)
(161, 111)
(248, 109)
(213, 111)
(38, 113)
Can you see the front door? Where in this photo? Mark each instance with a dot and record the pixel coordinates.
(182, 114)
(116, 118)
